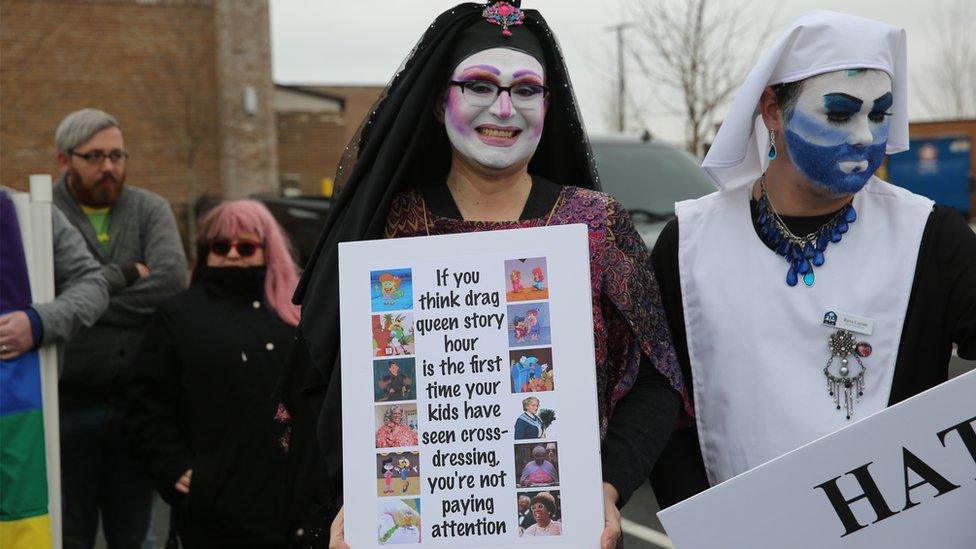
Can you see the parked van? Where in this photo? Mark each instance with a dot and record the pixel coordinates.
(648, 177)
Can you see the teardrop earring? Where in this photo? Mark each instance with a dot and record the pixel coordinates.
(772, 145)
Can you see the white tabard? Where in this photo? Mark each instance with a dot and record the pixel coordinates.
(758, 346)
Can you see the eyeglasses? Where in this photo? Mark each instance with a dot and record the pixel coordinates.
(481, 93)
(95, 158)
(245, 248)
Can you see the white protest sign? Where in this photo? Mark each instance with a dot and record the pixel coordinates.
(468, 383)
(903, 477)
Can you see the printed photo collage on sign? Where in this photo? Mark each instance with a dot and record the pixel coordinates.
(532, 373)
(395, 396)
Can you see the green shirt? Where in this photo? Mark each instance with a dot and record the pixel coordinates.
(99, 218)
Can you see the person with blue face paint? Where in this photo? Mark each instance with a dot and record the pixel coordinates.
(835, 128)
(879, 283)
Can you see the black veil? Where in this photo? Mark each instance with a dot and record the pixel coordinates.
(402, 145)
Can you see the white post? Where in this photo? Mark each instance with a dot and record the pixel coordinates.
(40, 258)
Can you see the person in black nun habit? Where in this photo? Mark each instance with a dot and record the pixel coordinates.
(479, 130)
(808, 292)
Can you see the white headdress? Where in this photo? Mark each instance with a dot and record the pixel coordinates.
(816, 43)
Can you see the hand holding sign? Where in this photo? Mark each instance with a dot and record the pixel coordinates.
(337, 534)
(611, 518)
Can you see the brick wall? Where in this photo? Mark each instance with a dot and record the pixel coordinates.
(358, 101)
(151, 64)
(309, 147)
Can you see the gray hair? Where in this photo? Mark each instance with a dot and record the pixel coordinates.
(388, 415)
(79, 126)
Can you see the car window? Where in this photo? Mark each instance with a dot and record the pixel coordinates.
(649, 177)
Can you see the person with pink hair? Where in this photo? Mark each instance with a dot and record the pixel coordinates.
(201, 415)
(251, 222)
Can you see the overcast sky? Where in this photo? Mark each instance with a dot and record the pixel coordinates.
(364, 41)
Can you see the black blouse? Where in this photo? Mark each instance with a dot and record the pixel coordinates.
(643, 419)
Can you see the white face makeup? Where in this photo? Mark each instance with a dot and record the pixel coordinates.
(837, 131)
(503, 133)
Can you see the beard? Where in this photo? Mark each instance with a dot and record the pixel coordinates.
(822, 164)
(98, 193)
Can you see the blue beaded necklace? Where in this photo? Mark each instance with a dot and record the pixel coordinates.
(803, 253)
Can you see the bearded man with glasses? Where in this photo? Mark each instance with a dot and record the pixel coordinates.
(133, 234)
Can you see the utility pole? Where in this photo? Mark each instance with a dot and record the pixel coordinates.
(621, 83)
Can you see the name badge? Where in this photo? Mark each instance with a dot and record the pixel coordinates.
(847, 321)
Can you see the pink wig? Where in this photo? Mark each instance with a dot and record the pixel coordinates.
(229, 220)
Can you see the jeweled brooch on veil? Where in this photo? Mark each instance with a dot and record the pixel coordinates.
(504, 14)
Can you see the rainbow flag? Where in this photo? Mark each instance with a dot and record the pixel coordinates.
(24, 518)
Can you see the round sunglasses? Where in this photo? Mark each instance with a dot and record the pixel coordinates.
(245, 248)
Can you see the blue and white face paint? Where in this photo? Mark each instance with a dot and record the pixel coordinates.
(837, 131)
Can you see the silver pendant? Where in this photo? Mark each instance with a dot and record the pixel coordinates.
(842, 345)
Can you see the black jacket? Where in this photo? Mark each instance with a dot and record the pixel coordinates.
(200, 397)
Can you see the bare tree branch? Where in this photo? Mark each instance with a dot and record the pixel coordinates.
(691, 49)
(946, 87)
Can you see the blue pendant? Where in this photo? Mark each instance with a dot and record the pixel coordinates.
(772, 150)
(791, 278)
(802, 255)
(822, 242)
(808, 251)
(818, 259)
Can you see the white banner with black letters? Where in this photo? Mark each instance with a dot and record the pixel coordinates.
(904, 477)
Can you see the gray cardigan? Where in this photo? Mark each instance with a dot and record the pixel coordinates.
(141, 229)
(81, 291)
